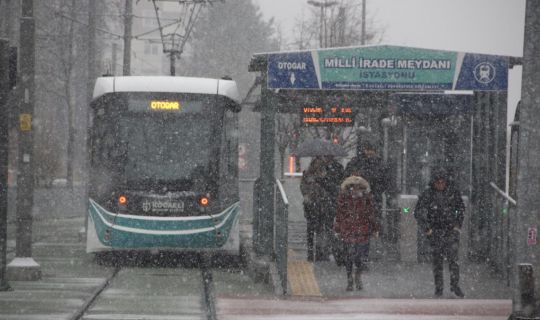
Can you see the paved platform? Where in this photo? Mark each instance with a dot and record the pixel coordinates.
(386, 278)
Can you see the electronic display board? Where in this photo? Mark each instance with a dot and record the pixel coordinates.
(327, 115)
(137, 104)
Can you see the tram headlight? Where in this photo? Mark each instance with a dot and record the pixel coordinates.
(204, 201)
(122, 203)
(122, 200)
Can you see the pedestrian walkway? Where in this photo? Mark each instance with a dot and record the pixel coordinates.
(302, 279)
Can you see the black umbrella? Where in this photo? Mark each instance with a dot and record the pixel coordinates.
(320, 147)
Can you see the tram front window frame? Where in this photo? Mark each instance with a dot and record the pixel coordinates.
(111, 145)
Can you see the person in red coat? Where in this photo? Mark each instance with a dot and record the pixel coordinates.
(355, 222)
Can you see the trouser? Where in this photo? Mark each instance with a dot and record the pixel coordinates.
(313, 227)
(446, 246)
(356, 254)
(326, 232)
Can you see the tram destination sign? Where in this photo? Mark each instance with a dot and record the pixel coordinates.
(387, 68)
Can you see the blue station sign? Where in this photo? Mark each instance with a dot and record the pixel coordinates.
(387, 68)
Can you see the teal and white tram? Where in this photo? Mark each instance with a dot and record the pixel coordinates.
(163, 173)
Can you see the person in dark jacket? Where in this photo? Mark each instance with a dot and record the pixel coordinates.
(355, 222)
(369, 165)
(320, 187)
(439, 213)
(331, 183)
(314, 195)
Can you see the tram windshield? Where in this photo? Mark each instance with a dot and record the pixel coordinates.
(165, 147)
(156, 138)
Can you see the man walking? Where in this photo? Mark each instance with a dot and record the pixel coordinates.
(439, 213)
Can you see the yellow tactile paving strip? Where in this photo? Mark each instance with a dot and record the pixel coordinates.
(302, 278)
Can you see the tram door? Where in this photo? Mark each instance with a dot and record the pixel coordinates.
(436, 133)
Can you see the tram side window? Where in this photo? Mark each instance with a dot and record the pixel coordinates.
(228, 150)
(106, 150)
(97, 133)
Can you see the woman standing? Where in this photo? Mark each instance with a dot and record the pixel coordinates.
(355, 221)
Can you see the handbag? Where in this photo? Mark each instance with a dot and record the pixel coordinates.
(338, 249)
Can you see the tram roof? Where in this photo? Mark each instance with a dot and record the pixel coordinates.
(226, 88)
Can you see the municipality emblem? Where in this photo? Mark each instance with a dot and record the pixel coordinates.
(484, 72)
(146, 206)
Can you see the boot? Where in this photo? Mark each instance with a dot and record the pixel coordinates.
(358, 278)
(457, 291)
(349, 282)
(310, 255)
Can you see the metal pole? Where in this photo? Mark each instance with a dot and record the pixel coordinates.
(363, 22)
(91, 73)
(342, 25)
(385, 216)
(173, 64)
(267, 161)
(4, 146)
(325, 29)
(127, 37)
(321, 33)
(526, 290)
(527, 218)
(25, 177)
(114, 57)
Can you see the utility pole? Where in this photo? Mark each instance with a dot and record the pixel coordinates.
(342, 18)
(23, 267)
(128, 19)
(526, 222)
(322, 32)
(91, 73)
(4, 146)
(363, 22)
(113, 58)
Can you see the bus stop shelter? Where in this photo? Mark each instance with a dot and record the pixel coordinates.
(392, 82)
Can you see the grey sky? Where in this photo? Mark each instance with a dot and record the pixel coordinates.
(483, 26)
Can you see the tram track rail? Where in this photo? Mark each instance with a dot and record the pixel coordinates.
(82, 310)
(207, 295)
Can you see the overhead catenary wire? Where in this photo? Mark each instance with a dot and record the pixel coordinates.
(136, 37)
(178, 41)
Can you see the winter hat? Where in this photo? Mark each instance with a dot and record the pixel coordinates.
(440, 173)
(355, 180)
